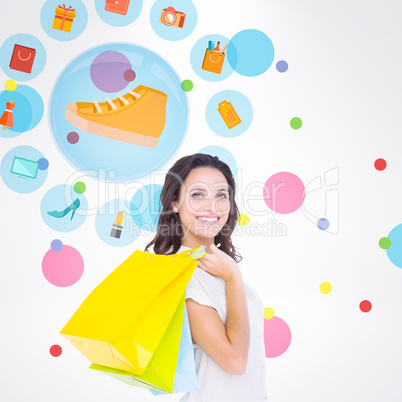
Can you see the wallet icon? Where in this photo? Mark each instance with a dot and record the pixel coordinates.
(117, 6)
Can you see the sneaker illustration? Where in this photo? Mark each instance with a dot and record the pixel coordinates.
(137, 118)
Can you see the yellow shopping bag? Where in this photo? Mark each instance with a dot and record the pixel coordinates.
(123, 320)
(160, 372)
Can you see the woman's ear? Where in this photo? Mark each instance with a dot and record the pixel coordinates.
(174, 207)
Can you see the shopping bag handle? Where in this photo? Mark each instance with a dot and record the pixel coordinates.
(19, 55)
(194, 253)
(210, 58)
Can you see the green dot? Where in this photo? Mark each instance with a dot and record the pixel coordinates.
(80, 187)
(187, 85)
(385, 243)
(296, 123)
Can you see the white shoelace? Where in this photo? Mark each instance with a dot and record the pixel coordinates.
(111, 103)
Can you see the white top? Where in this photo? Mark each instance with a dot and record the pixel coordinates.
(215, 385)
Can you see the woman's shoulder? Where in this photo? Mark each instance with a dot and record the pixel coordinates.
(210, 283)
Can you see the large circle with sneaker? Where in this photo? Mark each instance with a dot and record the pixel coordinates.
(124, 130)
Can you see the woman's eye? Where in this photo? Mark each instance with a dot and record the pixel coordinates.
(224, 195)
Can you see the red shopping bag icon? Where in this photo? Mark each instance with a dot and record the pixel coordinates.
(22, 58)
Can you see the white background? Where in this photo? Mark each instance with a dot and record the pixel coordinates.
(344, 82)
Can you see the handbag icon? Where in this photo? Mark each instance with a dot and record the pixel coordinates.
(213, 61)
(22, 59)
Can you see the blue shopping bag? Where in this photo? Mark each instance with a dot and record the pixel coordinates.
(185, 379)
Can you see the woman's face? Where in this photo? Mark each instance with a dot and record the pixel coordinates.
(204, 193)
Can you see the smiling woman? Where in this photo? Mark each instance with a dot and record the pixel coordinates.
(198, 206)
(226, 315)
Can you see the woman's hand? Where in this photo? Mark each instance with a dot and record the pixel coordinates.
(218, 263)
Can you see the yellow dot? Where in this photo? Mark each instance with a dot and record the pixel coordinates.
(243, 220)
(268, 313)
(325, 287)
(10, 85)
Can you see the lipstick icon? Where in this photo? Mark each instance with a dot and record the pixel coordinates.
(117, 226)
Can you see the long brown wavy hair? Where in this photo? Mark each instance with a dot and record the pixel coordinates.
(169, 232)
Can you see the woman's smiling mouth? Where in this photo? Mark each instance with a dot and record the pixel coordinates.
(208, 220)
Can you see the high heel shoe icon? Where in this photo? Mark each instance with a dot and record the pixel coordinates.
(60, 214)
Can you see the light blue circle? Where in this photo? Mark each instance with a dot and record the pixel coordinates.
(198, 53)
(58, 198)
(145, 207)
(174, 33)
(20, 169)
(250, 52)
(105, 219)
(100, 154)
(223, 154)
(27, 112)
(240, 104)
(394, 252)
(79, 23)
(116, 19)
(6, 53)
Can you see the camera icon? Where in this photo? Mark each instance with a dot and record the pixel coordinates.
(172, 18)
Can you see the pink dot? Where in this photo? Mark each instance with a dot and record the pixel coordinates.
(63, 268)
(284, 192)
(55, 350)
(380, 164)
(365, 306)
(73, 137)
(277, 337)
(129, 75)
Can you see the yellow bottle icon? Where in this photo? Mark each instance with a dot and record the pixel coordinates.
(229, 114)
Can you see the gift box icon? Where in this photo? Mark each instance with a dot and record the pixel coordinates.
(63, 20)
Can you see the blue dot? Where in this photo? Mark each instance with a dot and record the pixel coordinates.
(56, 245)
(323, 224)
(43, 163)
(282, 66)
(250, 52)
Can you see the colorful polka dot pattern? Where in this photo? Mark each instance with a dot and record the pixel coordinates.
(283, 192)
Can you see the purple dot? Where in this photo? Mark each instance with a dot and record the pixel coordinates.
(282, 66)
(43, 164)
(107, 71)
(323, 224)
(56, 245)
(129, 75)
(73, 137)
